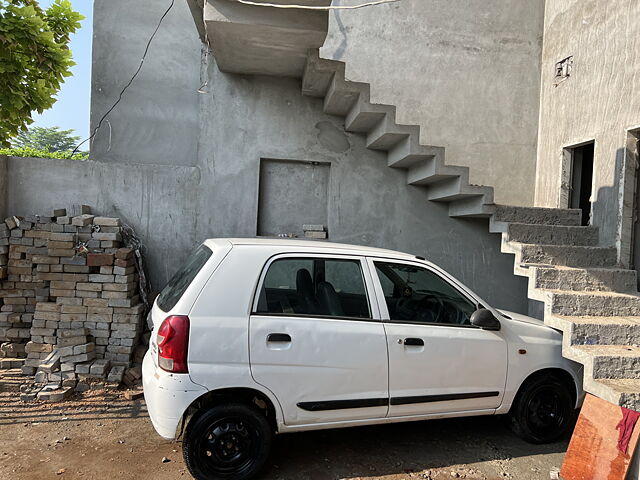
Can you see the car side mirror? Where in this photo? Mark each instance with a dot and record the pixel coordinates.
(484, 319)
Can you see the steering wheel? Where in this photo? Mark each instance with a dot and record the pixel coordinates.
(430, 309)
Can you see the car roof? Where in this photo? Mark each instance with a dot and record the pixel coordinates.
(324, 246)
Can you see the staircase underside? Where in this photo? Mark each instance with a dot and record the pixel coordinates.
(250, 39)
(584, 293)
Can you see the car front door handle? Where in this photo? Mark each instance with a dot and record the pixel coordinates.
(278, 337)
(414, 342)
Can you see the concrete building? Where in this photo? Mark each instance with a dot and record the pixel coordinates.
(253, 120)
(594, 109)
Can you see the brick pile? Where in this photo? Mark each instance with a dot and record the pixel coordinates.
(21, 239)
(70, 291)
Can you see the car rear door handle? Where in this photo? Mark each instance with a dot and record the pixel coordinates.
(414, 342)
(278, 337)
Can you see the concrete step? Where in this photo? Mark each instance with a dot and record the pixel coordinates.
(584, 279)
(547, 234)
(342, 95)
(457, 188)
(537, 215)
(565, 255)
(387, 133)
(607, 361)
(409, 153)
(601, 304)
(596, 330)
(318, 74)
(471, 208)
(364, 116)
(429, 172)
(619, 391)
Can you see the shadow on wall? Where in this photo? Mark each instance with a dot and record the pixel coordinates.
(606, 203)
(606, 206)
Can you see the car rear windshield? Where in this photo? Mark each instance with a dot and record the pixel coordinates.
(183, 278)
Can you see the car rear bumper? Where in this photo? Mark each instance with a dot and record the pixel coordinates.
(167, 396)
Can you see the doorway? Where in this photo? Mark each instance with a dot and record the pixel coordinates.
(581, 178)
(292, 193)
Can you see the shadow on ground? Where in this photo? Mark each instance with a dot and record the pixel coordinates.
(108, 436)
(401, 449)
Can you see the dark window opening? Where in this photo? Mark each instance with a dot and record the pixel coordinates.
(582, 179)
(179, 283)
(314, 286)
(418, 295)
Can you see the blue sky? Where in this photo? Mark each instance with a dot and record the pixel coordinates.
(72, 108)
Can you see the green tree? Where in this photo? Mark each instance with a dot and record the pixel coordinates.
(51, 139)
(34, 59)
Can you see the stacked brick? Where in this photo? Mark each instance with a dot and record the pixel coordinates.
(57, 373)
(70, 291)
(316, 232)
(21, 240)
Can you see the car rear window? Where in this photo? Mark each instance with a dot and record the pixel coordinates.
(183, 278)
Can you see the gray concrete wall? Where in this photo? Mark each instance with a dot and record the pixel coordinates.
(599, 101)
(182, 166)
(155, 200)
(466, 71)
(162, 103)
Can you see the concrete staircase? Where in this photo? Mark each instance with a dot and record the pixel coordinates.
(585, 295)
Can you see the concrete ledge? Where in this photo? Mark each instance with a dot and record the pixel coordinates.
(258, 40)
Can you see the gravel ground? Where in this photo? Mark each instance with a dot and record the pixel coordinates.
(102, 435)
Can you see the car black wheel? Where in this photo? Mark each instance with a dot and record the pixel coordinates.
(230, 442)
(544, 410)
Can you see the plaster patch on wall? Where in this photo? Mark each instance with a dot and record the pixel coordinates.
(332, 138)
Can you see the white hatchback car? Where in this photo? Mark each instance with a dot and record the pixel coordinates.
(260, 336)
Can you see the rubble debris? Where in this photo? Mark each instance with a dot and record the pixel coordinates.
(133, 394)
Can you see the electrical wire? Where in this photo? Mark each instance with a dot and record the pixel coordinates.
(309, 7)
(144, 56)
(246, 2)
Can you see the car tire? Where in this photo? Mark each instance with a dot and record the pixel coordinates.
(543, 411)
(230, 442)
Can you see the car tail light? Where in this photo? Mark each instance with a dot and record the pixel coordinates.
(173, 342)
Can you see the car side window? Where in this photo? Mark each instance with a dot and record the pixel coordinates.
(417, 295)
(314, 286)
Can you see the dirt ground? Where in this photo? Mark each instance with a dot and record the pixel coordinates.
(102, 435)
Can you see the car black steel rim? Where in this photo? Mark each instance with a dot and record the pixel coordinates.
(546, 411)
(228, 446)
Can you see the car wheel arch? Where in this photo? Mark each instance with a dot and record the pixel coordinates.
(243, 395)
(559, 374)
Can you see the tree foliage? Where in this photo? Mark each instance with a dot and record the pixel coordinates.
(37, 153)
(51, 139)
(34, 59)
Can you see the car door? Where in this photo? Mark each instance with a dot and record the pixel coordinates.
(316, 340)
(438, 361)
